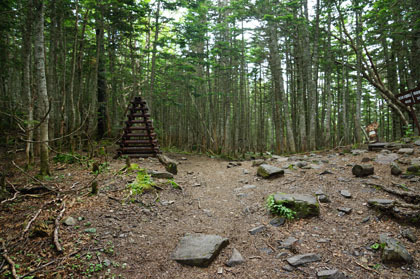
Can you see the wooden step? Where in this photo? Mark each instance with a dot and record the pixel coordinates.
(149, 141)
(138, 122)
(138, 102)
(139, 151)
(135, 128)
(130, 135)
(139, 115)
(143, 109)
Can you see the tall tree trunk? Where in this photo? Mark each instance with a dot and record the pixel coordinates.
(101, 76)
(42, 84)
(357, 119)
(26, 53)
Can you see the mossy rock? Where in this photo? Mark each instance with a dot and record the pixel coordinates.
(268, 171)
(414, 169)
(305, 206)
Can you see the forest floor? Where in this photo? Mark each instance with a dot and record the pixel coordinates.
(115, 237)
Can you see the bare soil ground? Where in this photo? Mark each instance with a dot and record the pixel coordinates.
(135, 239)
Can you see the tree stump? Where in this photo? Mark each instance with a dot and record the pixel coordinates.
(170, 165)
(362, 170)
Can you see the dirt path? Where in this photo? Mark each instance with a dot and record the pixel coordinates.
(135, 240)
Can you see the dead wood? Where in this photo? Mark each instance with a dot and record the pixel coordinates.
(31, 221)
(9, 261)
(410, 197)
(170, 165)
(57, 228)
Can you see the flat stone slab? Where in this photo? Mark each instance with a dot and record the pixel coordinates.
(269, 171)
(161, 174)
(408, 151)
(381, 203)
(198, 249)
(303, 205)
(386, 159)
(303, 259)
(330, 274)
(256, 230)
(345, 194)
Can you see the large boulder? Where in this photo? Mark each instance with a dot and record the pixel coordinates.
(269, 171)
(393, 251)
(304, 205)
(198, 249)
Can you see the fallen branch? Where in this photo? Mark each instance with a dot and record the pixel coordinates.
(30, 222)
(9, 261)
(366, 267)
(57, 227)
(34, 178)
(14, 197)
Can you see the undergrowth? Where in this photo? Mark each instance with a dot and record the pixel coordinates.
(279, 208)
(142, 183)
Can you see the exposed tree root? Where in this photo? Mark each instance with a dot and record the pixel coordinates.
(31, 221)
(406, 195)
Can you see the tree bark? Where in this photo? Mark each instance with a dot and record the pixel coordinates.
(42, 84)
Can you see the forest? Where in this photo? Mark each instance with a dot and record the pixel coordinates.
(224, 77)
(259, 115)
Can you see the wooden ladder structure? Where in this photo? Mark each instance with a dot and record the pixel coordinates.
(139, 138)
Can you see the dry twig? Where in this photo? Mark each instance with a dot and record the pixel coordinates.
(9, 261)
(31, 221)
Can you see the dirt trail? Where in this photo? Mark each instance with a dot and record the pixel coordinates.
(135, 240)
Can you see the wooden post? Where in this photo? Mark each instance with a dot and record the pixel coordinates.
(416, 121)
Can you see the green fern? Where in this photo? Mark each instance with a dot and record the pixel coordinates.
(279, 208)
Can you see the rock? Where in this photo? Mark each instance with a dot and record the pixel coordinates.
(381, 203)
(278, 221)
(386, 159)
(394, 251)
(256, 230)
(235, 259)
(245, 171)
(330, 274)
(356, 152)
(323, 199)
(198, 249)
(106, 262)
(414, 161)
(417, 142)
(69, 221)
(161, 174)
(183, 158)
(362, 170)
(366, 159)
(220, 270)
(281, 255)
(303, 205)
(288, 268)
(303, 259)
(408, 151)
(289, 243)
(366, 219)
(325, 172)
(268, 171)
(248, 186)
(395, 169)
(346, 210)
(414, 169)
(257, 162)
(301, 164)
(343, 179)
(408, 234)
(406, 140)
(345, 194)
(90, 230)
